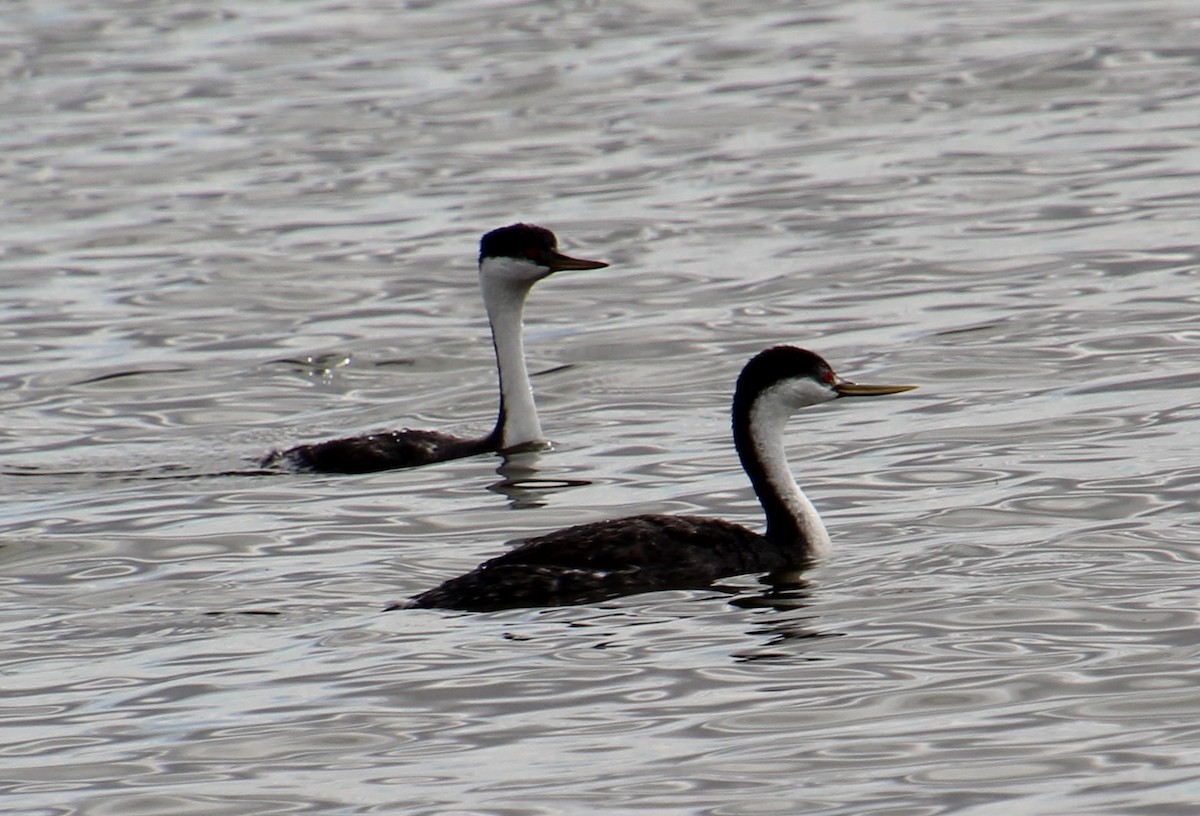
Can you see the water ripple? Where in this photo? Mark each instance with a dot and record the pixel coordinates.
(231, 230)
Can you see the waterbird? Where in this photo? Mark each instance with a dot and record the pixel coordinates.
(511, 260)
(604, 559)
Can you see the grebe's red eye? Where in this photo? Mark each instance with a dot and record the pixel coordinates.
(828, 377)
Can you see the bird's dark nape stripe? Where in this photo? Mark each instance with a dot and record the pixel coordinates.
(766, 369)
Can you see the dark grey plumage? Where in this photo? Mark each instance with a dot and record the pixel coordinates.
(381, 451)
(605, 559)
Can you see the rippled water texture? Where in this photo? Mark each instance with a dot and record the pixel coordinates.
(233, 226)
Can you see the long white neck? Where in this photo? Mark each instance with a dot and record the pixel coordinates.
(505, 302)
(773, 480)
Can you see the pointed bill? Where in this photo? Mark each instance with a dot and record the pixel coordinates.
(558, 262)
(845, 388)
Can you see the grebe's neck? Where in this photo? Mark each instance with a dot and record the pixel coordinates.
(758, 429)
(505, 301)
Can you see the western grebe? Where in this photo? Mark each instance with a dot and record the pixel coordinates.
(604, 559)
(511, 260)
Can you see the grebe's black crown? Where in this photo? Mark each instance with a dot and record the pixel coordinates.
(781, 363)
(524, 241)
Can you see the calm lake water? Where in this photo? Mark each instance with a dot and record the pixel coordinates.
(229, 227)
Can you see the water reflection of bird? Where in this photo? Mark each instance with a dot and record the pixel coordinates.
(511, 260)
(604, 559)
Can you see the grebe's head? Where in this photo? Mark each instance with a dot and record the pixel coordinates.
(523, 254)
(794, 378)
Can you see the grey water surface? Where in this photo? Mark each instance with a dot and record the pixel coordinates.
(234, 226)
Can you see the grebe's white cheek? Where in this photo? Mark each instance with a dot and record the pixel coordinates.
(807, 391)
(512, 271)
